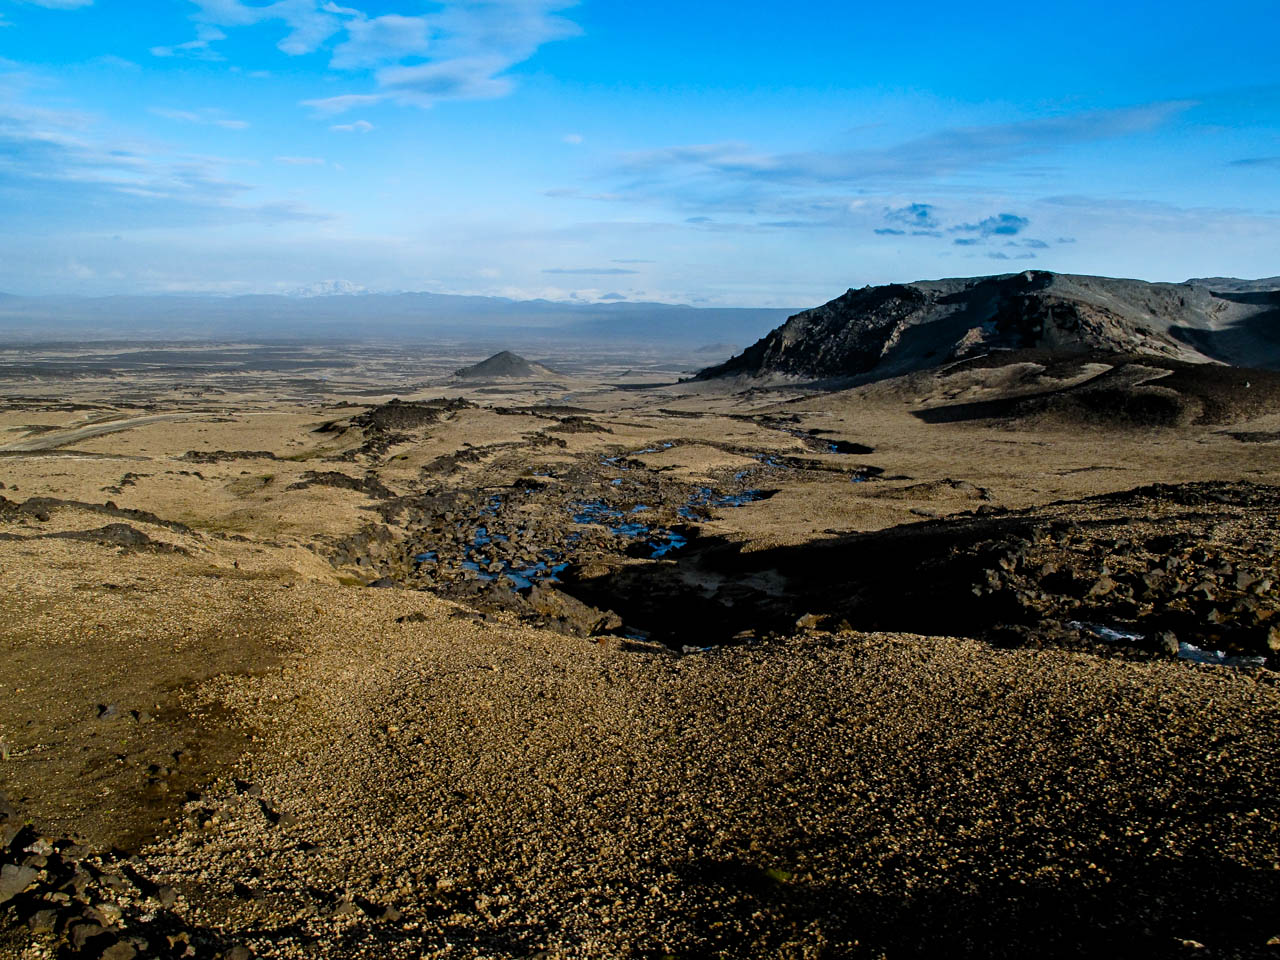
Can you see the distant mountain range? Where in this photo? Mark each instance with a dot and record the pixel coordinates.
(343, 315)
(884, 331)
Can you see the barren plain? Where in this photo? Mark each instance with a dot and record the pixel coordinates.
(318, 651)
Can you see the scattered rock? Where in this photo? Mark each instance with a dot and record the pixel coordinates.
(14, 879)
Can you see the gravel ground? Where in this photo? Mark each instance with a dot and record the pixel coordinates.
(381, 773)
(451, 788)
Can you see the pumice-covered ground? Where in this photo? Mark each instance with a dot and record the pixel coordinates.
(337, 654)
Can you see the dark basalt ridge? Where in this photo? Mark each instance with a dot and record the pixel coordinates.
(879, 332)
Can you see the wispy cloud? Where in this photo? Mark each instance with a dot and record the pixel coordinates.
(918, 215)
(201, 48)
(343, 102)
(207, 117)
(57, 171)
(1001, 225)
(359, 126)
(308, 23)
(301, 161)
(591, 271)
(1257, 162)
(573, 193)
(59, 4)
(745, 189)
(935, 155)
(378, 40)
(476, 42)
(116, 63)
(461, 51)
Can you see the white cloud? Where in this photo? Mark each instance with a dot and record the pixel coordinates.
(385, 39)
(309, 25)
(60, 4)
(118, 63)
(66, 175)
(462, 51)
(464, 78)
(205, 117)
(573, 138)
(359, 126)
(301, 161)
(198, 49)
(943, 152)
(476, 42)
(343, 103)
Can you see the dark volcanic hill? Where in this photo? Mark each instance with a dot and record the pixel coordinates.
(885, 331)
(506, 365)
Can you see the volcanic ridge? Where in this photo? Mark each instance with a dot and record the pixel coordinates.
(879, 332)
(505, 365)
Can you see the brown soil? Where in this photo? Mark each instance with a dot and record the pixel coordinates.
(898, 744)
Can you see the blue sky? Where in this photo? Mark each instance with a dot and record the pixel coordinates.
(732, 153)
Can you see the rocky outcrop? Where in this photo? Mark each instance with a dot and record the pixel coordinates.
(889, 330)
(505, 365)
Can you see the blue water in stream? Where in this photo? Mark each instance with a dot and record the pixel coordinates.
(547, 570)
(661, 540)
(1186, 651)
(616, 461)
(706, 497)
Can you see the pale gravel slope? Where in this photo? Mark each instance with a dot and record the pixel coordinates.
(509, 791)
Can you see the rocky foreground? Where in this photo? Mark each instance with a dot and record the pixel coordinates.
(650, 677)
(456, 787)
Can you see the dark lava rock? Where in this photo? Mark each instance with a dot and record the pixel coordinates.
(369, 484)
(578, 425)
(397, 414)
(42, 505)
(220, 456)
(118, 534)
(43, 921)
(897, 328)
(82, 933)
(1167, 642)
(1010, 578)
(504, 365)
(14, 879)
(569, 613)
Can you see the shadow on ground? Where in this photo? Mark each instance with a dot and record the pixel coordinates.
(1026, 578)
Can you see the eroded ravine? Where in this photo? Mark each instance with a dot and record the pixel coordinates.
(606, 543)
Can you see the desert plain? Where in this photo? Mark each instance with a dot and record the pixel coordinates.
(324, 651)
